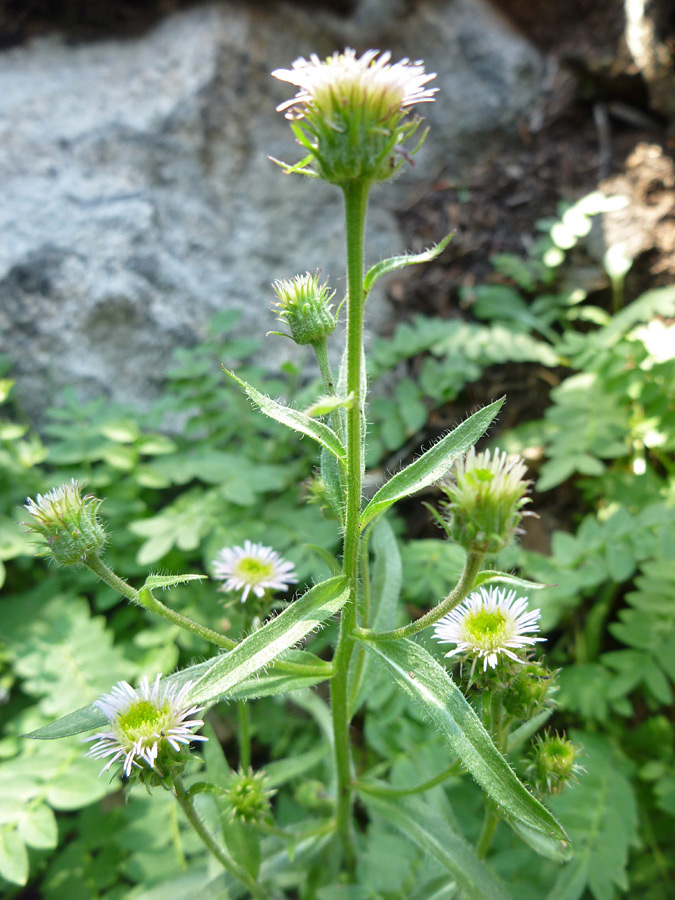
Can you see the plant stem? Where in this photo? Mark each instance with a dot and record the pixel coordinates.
(220, 853)
(146, 599)
(244, 719)
(356, 200)
(382, 790)
(496, 729)
(454, 598)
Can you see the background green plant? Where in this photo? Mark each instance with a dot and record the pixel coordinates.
(173, 501)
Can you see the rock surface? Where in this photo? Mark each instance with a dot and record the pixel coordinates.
(136, 194)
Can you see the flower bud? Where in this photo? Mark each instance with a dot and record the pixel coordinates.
(304, 305)
(529, 691)
(352, 114)
(248, 796)
(486, 496)
(68, 523)
(553, 763)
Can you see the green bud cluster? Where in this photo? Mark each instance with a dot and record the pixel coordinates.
(553, 763)
(248, 796)
(486, 498)
(68, 523)
(304, 305)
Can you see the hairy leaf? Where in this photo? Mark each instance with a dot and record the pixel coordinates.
(433, 464)
(294, 419)
(399, 262)
(274, 638)
(433, 836)
(426, 681)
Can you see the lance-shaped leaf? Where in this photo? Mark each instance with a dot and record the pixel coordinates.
(425, 828)
(433, 464)
(275, 681)
(156, 582)
(274, 638)
(293, 418)
(399, 262)
(488, 576)
(426, 681)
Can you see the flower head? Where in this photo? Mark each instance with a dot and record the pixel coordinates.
(351, 113)
(304, 305)
(486, 496)
(68, 523)
(150, 726)
(489, 624)
(253, 567)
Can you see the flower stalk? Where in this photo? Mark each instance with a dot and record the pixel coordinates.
(355, 200)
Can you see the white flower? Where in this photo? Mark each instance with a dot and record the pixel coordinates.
(351, 114)
(489, 623)
(343, 78)
(253, 567)
(145, 722)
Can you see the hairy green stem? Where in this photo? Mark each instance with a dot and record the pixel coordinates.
(220, 853)
(356, 200)
(457, 594)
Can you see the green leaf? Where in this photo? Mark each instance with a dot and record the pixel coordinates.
(434, 836)
(13, 856)
(294, 419)
(433, 464)
(155, 582)
(330, 473)
(38, 827)
(487, 576)
(399, 262)
(429, 684)
(326, 405)
(274, 638)
(602, 817)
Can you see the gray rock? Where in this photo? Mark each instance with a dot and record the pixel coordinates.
(136, 193)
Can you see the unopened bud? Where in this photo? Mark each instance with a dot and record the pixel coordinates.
(553, 763)
(68, 523)
(304, 305)
(249, 797)
(486, 497)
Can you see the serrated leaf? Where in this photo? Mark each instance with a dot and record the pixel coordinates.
(418, 673)
(433, 836)
(433, 464)
(156, 582)
(274, 638)
(293, 419)
(399, 262)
